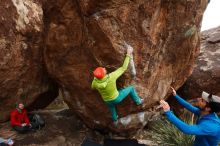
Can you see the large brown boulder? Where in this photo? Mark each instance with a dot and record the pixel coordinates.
(81, 35)
(65, 40)
(206, 74)
(22, 72)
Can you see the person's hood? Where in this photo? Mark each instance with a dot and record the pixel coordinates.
(101, 83)
(19, 110)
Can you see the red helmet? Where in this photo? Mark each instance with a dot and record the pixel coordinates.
(99, 72)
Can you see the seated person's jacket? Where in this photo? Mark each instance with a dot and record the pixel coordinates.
(18, 118)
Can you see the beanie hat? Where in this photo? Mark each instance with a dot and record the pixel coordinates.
(99, 72)
(214, 98)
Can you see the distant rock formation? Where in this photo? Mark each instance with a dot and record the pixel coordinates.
(206, 75)
(67, 39)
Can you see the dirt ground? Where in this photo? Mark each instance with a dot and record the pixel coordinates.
(62, 129)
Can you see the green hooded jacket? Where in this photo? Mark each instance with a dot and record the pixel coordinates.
(107, 85)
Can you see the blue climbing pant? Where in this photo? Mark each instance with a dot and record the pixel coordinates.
(122, 94)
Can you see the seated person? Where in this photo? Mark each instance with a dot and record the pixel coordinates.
(19, 119)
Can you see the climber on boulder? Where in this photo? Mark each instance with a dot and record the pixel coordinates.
(106, 86)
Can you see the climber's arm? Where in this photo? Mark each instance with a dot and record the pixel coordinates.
(93, 85)
(117, 73)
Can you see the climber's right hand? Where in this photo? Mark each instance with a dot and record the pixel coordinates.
(129, 50)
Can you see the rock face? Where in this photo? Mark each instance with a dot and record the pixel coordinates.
(65, 40)
(81, 35)
(22, 74)
(206, 75)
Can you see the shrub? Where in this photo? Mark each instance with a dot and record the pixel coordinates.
(165, 133)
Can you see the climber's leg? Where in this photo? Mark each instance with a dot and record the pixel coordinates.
(113, 111)
(129, 90)
(122, 95)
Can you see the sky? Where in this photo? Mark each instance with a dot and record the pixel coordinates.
(211, 17)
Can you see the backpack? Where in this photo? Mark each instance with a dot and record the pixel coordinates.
(37, 121)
